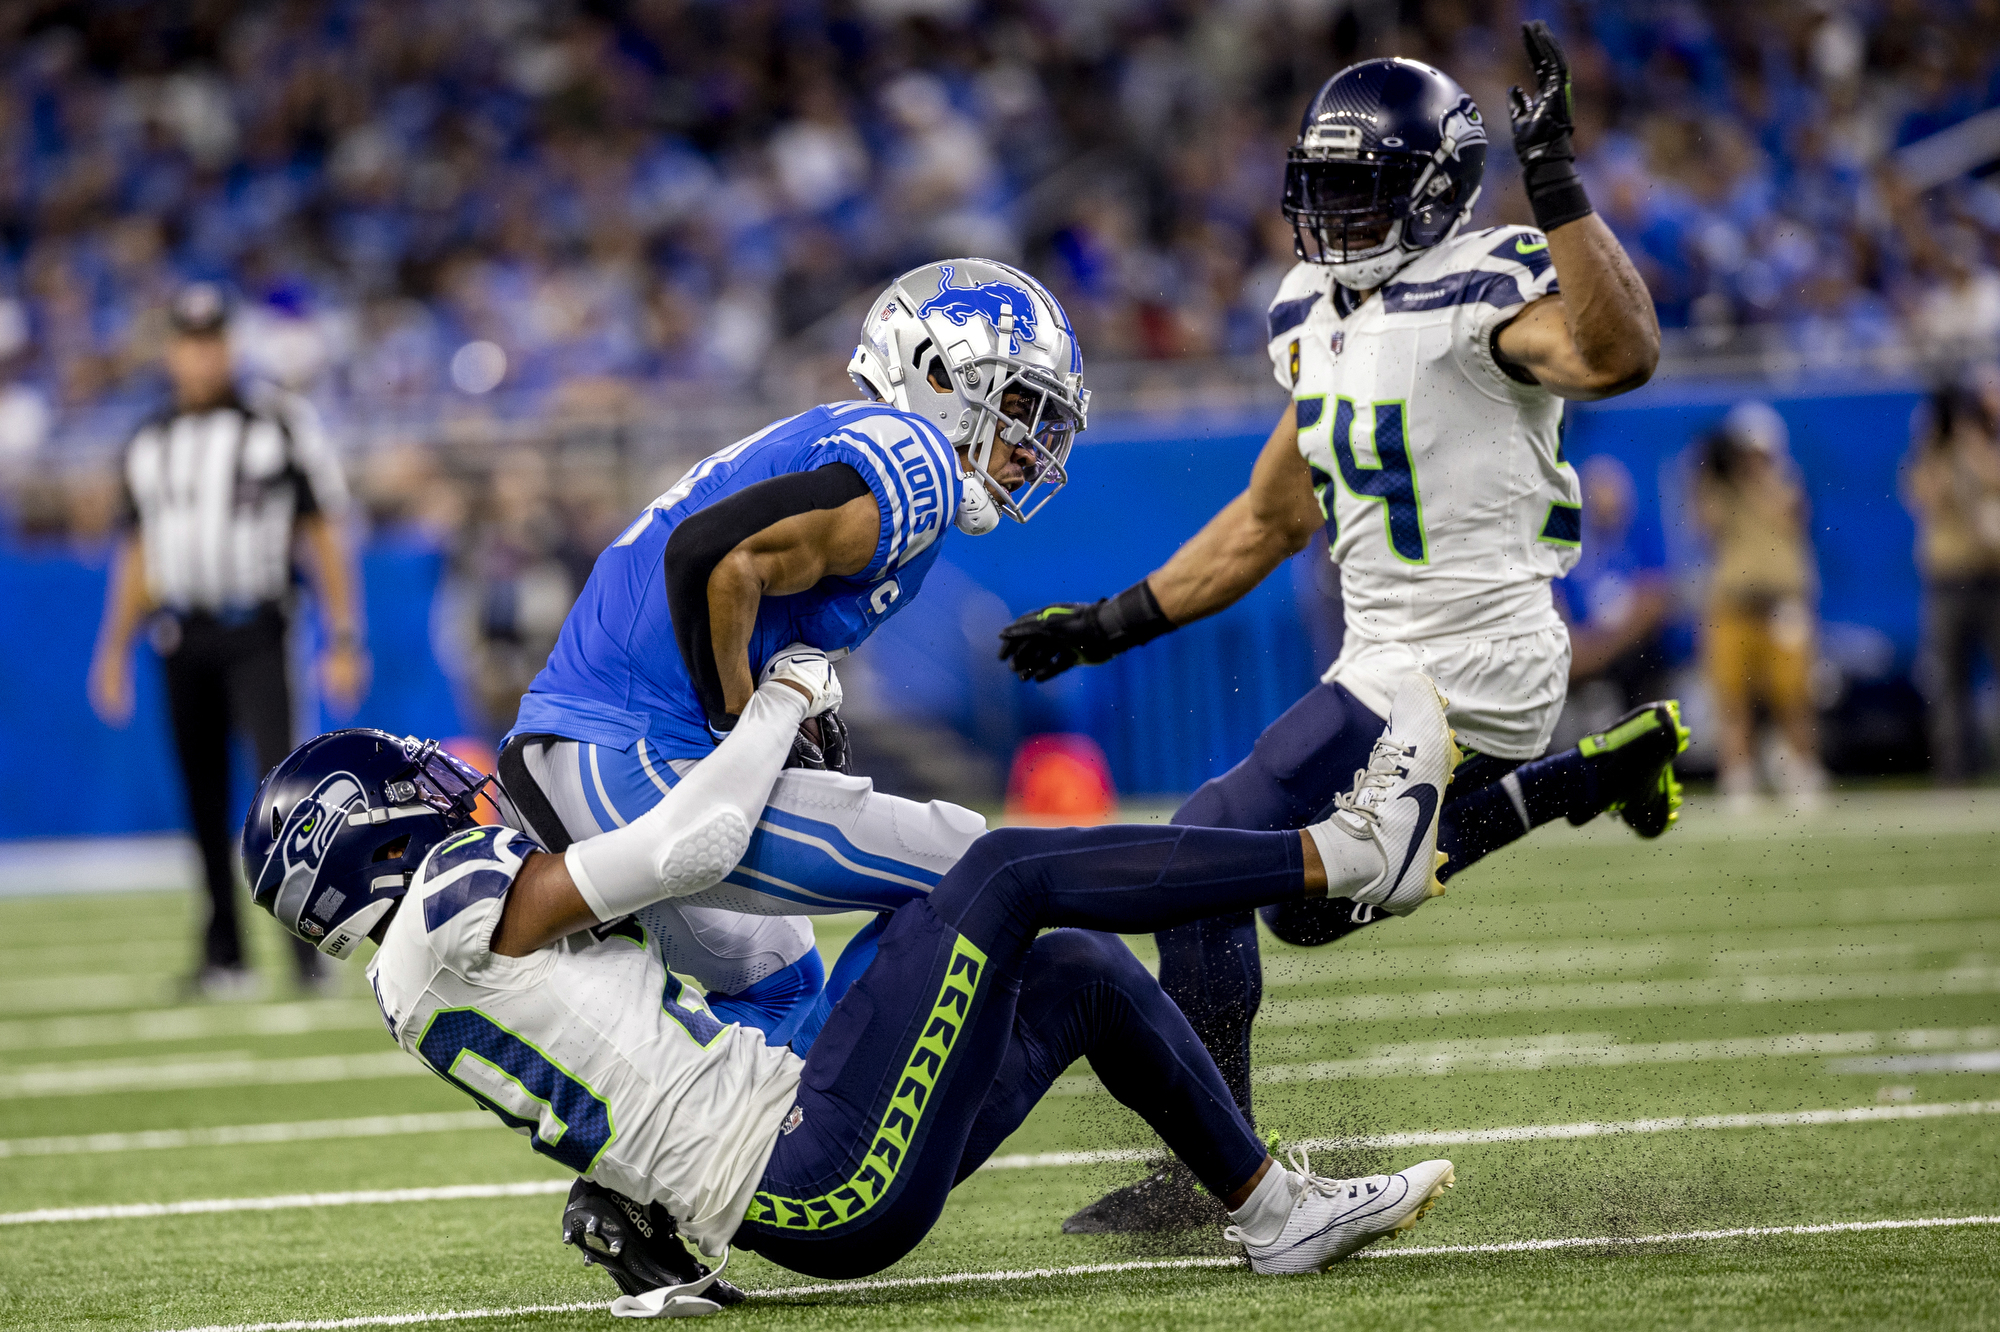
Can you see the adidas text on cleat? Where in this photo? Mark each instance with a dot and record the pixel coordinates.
(1333, 1218)
(1636, 778)
(1395, 802)
(639, 1246)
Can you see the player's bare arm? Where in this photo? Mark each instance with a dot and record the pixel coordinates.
(1271, 521)
(1599, 336)
(1596, 338)
(789, 556)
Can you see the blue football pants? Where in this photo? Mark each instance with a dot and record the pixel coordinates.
(1211, 968)
(964, 1018)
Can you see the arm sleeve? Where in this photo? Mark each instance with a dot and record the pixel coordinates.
(703, 537)
(693, 838)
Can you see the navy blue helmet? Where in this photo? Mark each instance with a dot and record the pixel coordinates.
(1388, 163)
(338, 829)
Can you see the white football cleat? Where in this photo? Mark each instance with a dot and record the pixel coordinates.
(1334, 1218)
(809, 669)
(1396, 800)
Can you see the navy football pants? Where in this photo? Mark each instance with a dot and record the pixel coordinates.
(965, 1018)
(1211, 968)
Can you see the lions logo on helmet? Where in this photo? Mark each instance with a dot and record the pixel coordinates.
(1387, 164)
(952, 342)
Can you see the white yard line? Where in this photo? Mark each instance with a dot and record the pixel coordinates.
(187, 1024)
(1578, 995)
(284, 1202)
(237, 1135)
(92, 1079)
(1142, 1265)
(1596, 1049)
(1439, 1138)
(1865, 1114)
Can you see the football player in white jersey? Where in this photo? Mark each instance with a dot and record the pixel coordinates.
(1427, 368)
(526, 980)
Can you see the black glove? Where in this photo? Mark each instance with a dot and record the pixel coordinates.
(1044, 643)
(820, 745)
(1542, 130)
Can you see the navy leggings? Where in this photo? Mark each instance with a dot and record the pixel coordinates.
(965, 1017)
(1211, 968)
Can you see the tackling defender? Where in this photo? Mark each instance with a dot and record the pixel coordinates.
(1427, 370)
(526, 979)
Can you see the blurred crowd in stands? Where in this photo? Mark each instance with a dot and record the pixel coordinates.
(423, 199)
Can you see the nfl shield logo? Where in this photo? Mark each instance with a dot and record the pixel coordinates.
(1339, 340)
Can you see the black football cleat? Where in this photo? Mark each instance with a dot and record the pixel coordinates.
(1167, 1200)
(1636, 779)
(639, 1246)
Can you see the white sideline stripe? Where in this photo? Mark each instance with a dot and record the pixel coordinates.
(91, 1079)
(284, 1202)
(1444, 1138)
(1141, 1265)
(1865, 1114)
(1572, 996)
(237, 1135)
(186, 1024)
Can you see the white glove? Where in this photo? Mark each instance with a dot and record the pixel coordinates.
(811, 670)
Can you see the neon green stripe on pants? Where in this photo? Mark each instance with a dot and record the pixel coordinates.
(899, 1122)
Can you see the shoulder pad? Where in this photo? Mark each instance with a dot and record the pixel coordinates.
(1303, 288)
(475, 865)
(1518, 245)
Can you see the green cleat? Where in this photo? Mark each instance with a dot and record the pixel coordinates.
(1638, 780)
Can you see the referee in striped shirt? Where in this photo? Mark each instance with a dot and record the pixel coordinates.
(221, 489)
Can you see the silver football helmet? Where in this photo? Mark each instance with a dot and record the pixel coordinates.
(984, 330)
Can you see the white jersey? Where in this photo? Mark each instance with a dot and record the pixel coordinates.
(589, 1047)
(1449, 503)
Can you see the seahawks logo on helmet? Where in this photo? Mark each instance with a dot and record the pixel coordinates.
(302, 845)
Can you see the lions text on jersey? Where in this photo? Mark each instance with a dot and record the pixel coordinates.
(589, 1047)
(1449, 505)
(616, 675)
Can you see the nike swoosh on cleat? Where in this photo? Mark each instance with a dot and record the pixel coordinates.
(1522, 246)
(1426, 797)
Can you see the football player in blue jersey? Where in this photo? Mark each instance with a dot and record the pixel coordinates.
(1427, 368)
(811, 531)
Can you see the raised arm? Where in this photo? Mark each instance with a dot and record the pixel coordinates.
(777, 537)
(1255, 533)
(1599, 337)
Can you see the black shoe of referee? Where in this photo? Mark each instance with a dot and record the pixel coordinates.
(639, 1246)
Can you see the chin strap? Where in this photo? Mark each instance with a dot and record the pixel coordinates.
(682, 1301)
(978, 514)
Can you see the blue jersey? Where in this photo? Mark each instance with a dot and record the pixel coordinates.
(616, 675)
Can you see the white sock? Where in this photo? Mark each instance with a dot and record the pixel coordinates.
(1352, 863)
(1261, 1218)
(699, 830)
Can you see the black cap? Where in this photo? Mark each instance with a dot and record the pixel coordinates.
(198, 308)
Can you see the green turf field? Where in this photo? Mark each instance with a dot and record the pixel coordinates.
(1734, 977)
